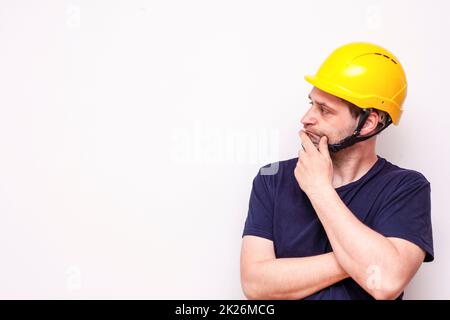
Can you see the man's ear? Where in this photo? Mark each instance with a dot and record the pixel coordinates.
(371, 124)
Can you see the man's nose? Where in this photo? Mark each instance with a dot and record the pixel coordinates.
(308, 118)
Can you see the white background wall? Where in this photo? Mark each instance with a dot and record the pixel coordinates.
(130, 132)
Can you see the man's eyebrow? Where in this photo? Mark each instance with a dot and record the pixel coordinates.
(320, 103)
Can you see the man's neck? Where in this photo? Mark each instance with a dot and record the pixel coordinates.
(350, 165)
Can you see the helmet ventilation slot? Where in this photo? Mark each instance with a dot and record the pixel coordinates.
(387, 57)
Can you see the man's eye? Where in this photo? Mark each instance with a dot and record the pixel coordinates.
(321, 108)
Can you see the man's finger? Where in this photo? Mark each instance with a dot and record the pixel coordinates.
(301, 153)
(323, 146)
(306, 142)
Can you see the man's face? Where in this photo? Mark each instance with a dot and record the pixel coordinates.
(328, 116)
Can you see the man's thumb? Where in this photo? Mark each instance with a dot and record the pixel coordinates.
(323, 145)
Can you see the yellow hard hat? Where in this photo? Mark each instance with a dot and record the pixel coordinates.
(366, 75)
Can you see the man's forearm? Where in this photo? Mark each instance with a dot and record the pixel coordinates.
(371, 253)
(293, 278)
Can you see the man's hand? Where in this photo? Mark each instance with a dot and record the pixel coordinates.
(314, 170)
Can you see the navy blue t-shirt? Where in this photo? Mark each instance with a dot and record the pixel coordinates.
(391, 200)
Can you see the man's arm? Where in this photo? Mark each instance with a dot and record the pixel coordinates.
(265, 277)
(382, 266)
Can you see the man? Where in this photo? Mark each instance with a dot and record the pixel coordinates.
(339, 221)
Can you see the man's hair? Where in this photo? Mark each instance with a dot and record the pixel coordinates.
(355, 111)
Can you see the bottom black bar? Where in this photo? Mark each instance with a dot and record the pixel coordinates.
(223, 309)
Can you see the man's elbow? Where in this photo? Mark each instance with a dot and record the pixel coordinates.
(250, 293)
(257, 291)
(390, 290)
(252, 282)
(252, 287)
(385, 295)
(248, 288)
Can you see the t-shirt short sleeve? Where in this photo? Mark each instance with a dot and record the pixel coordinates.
(407, 214)
(259, 220)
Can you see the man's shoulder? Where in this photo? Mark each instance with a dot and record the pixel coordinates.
(278, 168)
(403, 174)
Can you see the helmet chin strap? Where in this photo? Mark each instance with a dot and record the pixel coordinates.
(351, 140)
